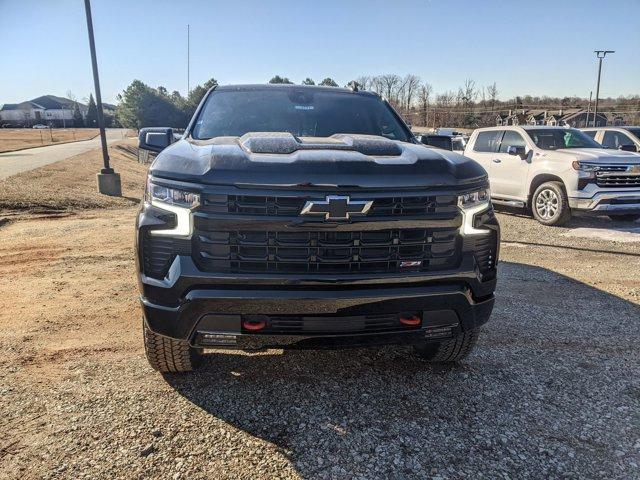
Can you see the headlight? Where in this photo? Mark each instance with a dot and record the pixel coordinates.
(179, 202)
(471, 204)
(585, 170)
(171, 196)
(470, 200)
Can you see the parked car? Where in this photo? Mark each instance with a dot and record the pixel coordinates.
(555, 170)
(39, 126)
(456, 143)
(303, 217)
(459, 142)
(622, 138)
(437, 141)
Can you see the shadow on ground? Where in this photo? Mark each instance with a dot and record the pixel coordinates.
(553, 389)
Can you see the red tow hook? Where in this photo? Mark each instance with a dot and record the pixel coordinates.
(254, 325)
(410, 320)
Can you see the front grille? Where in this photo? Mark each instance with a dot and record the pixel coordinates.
(614, 176)
(380, 251)
(295, 325)
(284, 206)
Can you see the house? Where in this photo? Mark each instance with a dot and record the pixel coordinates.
(564, 117)
(536, 117)
(501, 118)
(512, 118)
(47, 109)
(579, 119)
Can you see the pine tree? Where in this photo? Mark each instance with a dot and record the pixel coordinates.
(78, 121)
(329, 82)
(279, 79)
(92, 113)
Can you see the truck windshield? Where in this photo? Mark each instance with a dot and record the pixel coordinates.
(301, 112)
(558, 138)
(635, 131)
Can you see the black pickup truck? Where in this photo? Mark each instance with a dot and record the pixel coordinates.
(310, 217)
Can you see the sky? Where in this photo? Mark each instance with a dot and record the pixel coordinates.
(535, 47)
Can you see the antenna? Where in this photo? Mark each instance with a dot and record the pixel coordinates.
(188, 45)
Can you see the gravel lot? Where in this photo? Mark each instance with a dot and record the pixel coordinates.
(552, 391)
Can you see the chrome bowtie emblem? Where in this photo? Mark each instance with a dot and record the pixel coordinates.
(633, 169)
(336, 207)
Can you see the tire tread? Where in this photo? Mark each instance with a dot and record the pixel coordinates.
(169, 355)
(449, 351)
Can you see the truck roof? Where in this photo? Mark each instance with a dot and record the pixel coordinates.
(612, 127)
(290, 86)
(524, 127)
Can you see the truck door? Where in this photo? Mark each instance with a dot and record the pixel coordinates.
(484, 149)
(509, 172)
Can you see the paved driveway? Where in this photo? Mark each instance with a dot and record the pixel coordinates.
(12, 163)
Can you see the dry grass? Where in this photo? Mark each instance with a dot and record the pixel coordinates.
(19, 138)
(70, 184)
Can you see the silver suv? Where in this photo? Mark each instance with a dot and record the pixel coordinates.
(554, 171)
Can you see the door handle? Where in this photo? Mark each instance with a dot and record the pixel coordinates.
(496, 160)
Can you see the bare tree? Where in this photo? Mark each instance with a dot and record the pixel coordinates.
(364, 82)
(445, 103)
(424, 94)
(411, 85)
(389, 84)
(492, 93)
(466, 99)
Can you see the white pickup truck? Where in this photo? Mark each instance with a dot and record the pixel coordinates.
(554, 170)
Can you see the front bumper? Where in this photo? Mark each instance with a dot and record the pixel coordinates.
(445, 310)
(606, 201)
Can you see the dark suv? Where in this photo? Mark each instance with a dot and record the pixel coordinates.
(310, 217)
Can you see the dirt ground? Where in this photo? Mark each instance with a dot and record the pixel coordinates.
(552, 391)
(17, 138)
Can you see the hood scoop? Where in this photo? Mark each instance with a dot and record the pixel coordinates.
(284, 143)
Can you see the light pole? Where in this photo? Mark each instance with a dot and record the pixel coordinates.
(600, 54)
(108, 180)
(188, 59)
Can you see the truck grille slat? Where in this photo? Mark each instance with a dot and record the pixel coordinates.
(616, 176)
(292, 324)
(283, 206)
(328, 252)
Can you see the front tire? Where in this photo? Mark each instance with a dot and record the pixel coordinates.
(625, 218)
(168, 355)
(550, 205)
(448, 351)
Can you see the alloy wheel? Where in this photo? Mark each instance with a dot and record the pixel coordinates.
(547, 204)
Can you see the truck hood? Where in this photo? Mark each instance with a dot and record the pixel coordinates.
(280, 159)
(594, 155)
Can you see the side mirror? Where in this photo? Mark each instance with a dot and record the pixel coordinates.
(628, 148)
(518, 150)
(155, 139)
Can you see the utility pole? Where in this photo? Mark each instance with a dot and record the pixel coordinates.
(600, 54)
(108, 180)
